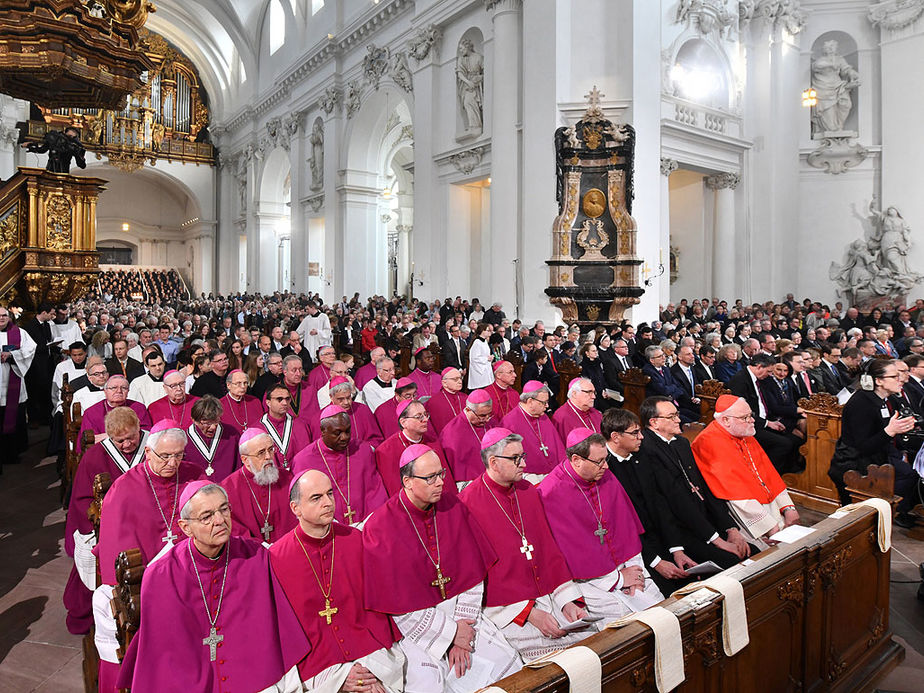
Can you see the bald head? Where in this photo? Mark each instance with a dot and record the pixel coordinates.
(309, 483)
(312, 502)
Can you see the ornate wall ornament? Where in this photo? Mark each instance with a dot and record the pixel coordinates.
(876, 266)
(721, 181)
(330, 99)
(470, 88)
(706, 16)
(592, 238)
(316, 202)
(836, 155)
(668, 166)
(9, 230)
(425, 42)
(832, 570)
(833, 78)
(375, 64)
(465, 162)
(792, 590)
(316, 162)
(785, 14)
(59, 218)
(401, 72)
(352, 98)
(895, 14)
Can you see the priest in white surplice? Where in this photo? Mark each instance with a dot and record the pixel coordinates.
(430, 560)
(16, 351)
(314, 330)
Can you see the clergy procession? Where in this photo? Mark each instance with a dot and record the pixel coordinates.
(305, 524)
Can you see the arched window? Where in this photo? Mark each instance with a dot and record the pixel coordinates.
(277, 20)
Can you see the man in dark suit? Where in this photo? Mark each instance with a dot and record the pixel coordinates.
(121, 363)
(685, 377)
(272, 376)
(704, 368)
(623, 357)
(914, 388)
(662, 382)
(294, 346)
(781, 447)
(831, 378)
(453, 351)
(38, 377)
(803, 382)
(623, 435)
(708, 532)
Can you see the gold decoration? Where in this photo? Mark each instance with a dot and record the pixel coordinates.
(594, 203)
(58, 222)
(592, 136)
(593, 312)
(9, 230)
(131, 12)
(593, 238)
(567, 306)
(565, 248)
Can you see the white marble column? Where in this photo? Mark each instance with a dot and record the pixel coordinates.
(263, 243)
(724, 265)
(297, 259)
(668, 166)
(365, 262)
(499, 282)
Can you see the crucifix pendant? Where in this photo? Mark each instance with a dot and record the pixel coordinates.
(349, 514)
(209, 470)
(440, 581)
(327, 612)
(170, 536)
(695, 489)
(527, 549)
(601, 531)
(267, 528)
(544, 448)
(212, 643)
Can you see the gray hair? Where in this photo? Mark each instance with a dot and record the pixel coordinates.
(132, 337)
(382, 361)
(576, 386)
(651, 350)
(247, 443)
(499, 446)
(208, 489)
(470, 405)
(292, 358)
(667, 344)
(535, 393)
(176, 434)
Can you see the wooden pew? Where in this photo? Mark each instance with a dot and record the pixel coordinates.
(101, 484)
(403, 367)
(634, 382)
(818, 615)
(126, 598)
(568, 370)
(813, 487)
(878, 482)
(514, 357)
(708, 392)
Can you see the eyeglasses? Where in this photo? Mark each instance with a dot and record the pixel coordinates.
(883, 377)
(635, 433)
(265, 452)
(674, 416)
(175, 457)
(589, 392)
(746, 417)
(209, 518)
(543, 402)
(430, 479)
(596, 463)
(423, 416)
(516, 459)
(118, 388)
(453, 377)
(174, 386)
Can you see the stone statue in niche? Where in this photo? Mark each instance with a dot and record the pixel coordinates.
(833, 79)
(876, 266)
(316, 162)
(470, 85)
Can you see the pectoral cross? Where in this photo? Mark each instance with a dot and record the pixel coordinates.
(601, 531)
(327, 611)
(527, 548)
(695, 489)
(212, 642)
(265, 531)
(544, 448)
(170, 536)
(349, 515)
(440, 581)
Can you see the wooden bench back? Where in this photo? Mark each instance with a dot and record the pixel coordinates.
(813, 487)
(634, 383)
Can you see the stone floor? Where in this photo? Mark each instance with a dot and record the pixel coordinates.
(38, 654)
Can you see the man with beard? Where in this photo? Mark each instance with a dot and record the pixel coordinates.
(115, 395)
(122, 449)
(175, 404)
(359, 653)
(218, 586)
(289, 434)
(212, 446)
(257, 490)
(140, 511)
(349, 465)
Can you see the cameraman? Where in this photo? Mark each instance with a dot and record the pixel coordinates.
(869, 426)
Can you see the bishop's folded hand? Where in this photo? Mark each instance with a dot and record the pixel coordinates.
(545, 622)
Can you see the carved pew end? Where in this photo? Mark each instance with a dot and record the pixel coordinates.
(879, 482)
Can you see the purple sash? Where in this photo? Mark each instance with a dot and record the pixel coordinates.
(13, 338)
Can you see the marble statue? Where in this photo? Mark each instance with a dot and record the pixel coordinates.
(833, 79)
(470, 79)
(876, 266)
(316, 162)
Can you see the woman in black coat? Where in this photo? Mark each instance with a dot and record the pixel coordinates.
(592, 369)
(870, 430)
